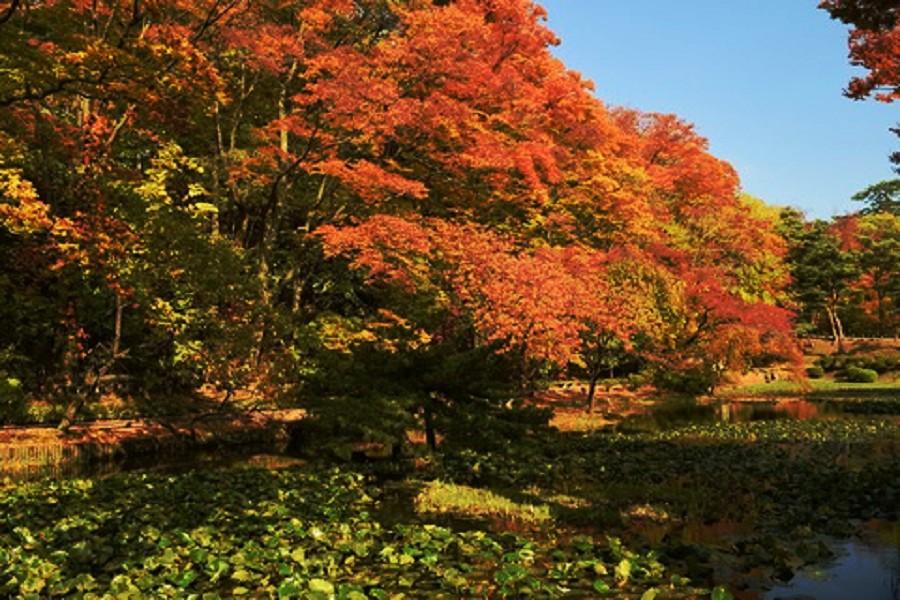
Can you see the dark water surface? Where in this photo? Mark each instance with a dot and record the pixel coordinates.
(680, 413)
(864, 570)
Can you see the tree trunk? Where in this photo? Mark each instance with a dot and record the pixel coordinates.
(73, 408)
(882, 313)
(840, 330)
(833, 322)
(117, 336)
(428, 414)
(592, 390)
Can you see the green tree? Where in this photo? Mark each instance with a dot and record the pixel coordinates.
(822, 272)
(881, 197)
(879, 261)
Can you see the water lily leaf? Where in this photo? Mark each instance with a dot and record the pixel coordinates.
(184, 579)
(321, 586)
(721, 593)
(623, 571)
(650, 594)
(289, 589)
(242, 575)
(217, 567)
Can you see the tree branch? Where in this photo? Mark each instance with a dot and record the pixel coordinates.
(10, 11)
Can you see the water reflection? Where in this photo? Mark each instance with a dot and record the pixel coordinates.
(799, 410)
(673, 414)
(273, 456)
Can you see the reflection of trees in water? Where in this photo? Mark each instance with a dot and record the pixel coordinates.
(741, 412)
(672, 413)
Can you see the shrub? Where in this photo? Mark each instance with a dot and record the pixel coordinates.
(815, 372)
(882, 362)
(637, 380)
(858, 375)
(12, 400)
(692, 381)
(826, 363)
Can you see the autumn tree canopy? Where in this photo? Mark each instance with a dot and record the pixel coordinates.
(250, 194)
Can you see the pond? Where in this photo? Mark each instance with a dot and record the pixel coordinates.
(869, 570)
(680, 412)
(760, 496)
(229, 457)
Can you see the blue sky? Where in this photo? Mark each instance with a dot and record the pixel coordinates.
(761, 79)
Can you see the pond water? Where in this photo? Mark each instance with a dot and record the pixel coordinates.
(247, 456)
(869, 571)
(679, 413)
(865, 568)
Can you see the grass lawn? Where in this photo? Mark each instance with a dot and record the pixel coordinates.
(888, 387)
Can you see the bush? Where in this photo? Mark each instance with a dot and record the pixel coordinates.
(858, 375)
(837, 362)
(826, 363)
(12, 400)
(815, 372)
(693, 381)
(637, 380)
(881, 362)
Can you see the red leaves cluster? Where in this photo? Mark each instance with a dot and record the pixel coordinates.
(874, 44)
(879, 52)
(538, 301)
(481, 94)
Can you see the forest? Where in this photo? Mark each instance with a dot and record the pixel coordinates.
(411, 220)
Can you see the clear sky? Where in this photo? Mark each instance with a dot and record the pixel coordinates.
(762, 79)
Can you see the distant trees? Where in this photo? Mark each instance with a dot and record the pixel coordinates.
(846, 267)
(858, 253)
(822, 273)
(844, 273)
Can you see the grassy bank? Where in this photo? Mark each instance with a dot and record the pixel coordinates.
(49, 449)
(888, 387)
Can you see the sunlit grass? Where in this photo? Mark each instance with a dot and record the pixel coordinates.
(439, 497)
(578, 420)
(887, 385)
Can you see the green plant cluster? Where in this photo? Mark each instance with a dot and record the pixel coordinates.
(858, 375)
(815, 372)
(881, 362)
(11, 398)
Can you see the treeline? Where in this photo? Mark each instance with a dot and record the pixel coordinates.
(846, 271)
(384, 210)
